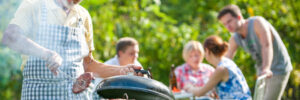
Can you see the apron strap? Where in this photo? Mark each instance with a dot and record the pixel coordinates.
(44, 12)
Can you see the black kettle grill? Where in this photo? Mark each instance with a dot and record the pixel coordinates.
(133, 87)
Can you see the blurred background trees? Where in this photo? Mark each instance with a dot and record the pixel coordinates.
(10, 61)
(162, 27)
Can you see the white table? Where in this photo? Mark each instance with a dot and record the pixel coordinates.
(182, 95)
(185, 95)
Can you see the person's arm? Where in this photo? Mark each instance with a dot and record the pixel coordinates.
(232, 48)
(103, 70)
(264, 34)
(220, 74)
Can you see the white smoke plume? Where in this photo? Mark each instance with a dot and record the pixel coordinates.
(10, 61)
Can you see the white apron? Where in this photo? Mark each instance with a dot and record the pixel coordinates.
(39, 82)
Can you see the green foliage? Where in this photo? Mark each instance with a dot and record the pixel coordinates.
(10, 74)
(162, 27)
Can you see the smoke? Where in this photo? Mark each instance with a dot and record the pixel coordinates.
(8, 8)
(10, 61)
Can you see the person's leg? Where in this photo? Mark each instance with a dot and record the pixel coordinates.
(275, 86)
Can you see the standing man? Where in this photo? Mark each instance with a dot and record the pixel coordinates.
(258, 37)
(58, 37)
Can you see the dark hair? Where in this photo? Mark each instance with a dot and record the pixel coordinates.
(234, 10)
(125, 42)
(216, 45)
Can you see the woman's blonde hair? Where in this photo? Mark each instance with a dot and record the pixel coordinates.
(192, 46)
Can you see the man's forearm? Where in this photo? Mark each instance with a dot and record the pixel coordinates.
(267, 57)
(232, 48)
(100, 69)
(230, 55)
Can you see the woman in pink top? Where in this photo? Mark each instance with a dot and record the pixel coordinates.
(193, 71)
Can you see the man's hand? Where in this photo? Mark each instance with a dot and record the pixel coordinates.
(267, 72)
(82, 82)
(53, 61)
(129, 70)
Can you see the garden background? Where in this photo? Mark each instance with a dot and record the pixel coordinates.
(162, 27)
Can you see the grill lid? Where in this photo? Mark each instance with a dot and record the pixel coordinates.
(133, 87)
